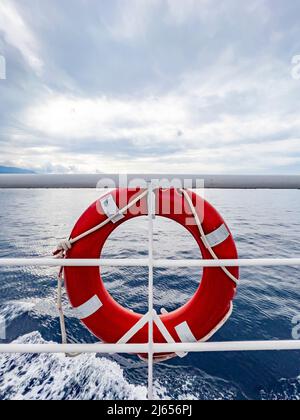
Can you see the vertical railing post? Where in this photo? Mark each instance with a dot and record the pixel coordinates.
(151, 216)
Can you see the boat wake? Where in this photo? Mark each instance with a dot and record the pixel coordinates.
(89, 377)
(114, 377)
(24, 377)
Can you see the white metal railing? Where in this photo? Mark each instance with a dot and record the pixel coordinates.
(104, 180)
(32, 181)
(144, 262)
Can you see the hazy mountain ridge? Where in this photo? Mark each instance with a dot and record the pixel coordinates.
(13, 170)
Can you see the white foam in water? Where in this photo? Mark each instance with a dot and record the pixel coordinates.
(57, 377)
(88, 377)
(287, 389)
(13, 310)
(48, 307)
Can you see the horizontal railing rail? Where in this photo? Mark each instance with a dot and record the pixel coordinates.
(157, 348)
(94, 180)
(140, 262)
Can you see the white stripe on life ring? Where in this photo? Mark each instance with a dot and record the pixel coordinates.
(111, 209)
(218, 236)
(185, 333)
(88, 308)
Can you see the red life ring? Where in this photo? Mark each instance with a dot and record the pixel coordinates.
(198, 319)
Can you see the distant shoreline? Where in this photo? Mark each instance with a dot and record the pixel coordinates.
(13, 170)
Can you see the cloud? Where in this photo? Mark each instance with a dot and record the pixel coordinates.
(17, 34)
(182, 12)
(131, 18)
(79, 118)
(151, 85)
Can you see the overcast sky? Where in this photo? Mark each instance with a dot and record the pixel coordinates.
(200, 86)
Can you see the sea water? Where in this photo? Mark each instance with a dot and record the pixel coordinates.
(264, 223)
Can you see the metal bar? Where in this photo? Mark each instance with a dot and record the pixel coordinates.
(165, 333)
(74, 348)
(229, 346)
(115, 181)
(137, 327)
(53, 262)
(259, 262)
(151, 215)
(157, 348)
(140, 262)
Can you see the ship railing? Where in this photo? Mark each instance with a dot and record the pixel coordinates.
(150, 348)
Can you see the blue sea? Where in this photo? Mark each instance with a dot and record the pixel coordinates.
(264, 224)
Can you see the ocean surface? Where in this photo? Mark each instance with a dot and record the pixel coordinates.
(264, 224)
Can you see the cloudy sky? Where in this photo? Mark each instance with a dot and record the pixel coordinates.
(202, 86)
